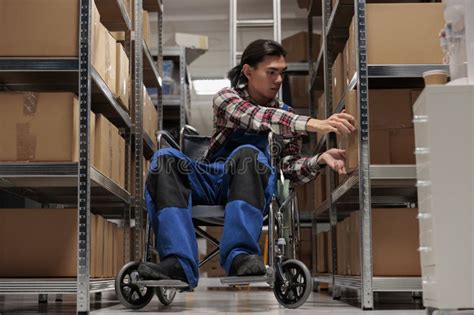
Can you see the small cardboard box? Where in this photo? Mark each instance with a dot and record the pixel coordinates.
(41, 127)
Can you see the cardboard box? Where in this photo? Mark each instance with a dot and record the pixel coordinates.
(119, 248)
(103, 154)
(122, 160)
(52, 252)
(320, 187)
(123, 77)
(105, 59)
(320, 114)
(338, 81)
(355, 236)
(150, 116)
(322, 264)
(296, 47)
(146, 28)
(408, 43)
(390, 109)
(329, 253)
(395, 241)
(41, 127)
(299, 91)
(42, 28)
(402, 146)
(108, 249)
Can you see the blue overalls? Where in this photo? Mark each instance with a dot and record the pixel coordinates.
(239, 176)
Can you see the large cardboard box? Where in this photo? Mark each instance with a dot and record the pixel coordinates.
(49, 249)
(150, 116)
(320, 188)
(409, 41)
(354, 241)
(123, 77)
(299, 91)
(395, 242)
(118, 157)
(338, 81)
(402, 146)
(297, 49)
(104, 58)
(390, 109)
(100, 233)
(322, 260)
(103, 154)
(119, 249)
(43, 28)
(146, 28)
(41, 127)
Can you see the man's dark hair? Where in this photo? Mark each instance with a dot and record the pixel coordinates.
(254, 54)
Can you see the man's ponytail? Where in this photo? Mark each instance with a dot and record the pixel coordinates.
(234, 75)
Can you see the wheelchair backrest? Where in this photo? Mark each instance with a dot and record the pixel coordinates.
(195, 146)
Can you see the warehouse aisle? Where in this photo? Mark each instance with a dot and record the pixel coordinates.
(204, 301)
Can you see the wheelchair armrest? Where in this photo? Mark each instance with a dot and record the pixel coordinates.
(187, 129)
(165, 135)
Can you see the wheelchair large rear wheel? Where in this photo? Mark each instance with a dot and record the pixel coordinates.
(128, 292)
(298, 286)
(165, 295)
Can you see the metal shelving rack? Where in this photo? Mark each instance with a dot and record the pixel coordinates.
(79, 184)
(182, 56)
(370, 185)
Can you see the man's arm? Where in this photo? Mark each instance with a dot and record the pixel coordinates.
(232, 111)
(299, 170)
(236, 111)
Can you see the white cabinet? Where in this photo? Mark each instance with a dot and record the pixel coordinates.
(444, 137)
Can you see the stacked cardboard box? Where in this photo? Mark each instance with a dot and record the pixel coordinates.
(408, 44)
(50, 28)
(109, 150)
(150, 116)
(304, 249)
(49, 249)
(322, 251)
(299, 91)
(40, 127)
(146, 28)
(296, 47)
(394, 243)
(43, 127)
(391, 128)
(123, 77)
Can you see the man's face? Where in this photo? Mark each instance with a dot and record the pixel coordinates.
(266, 77)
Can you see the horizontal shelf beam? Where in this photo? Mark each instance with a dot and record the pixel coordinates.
(51, 286)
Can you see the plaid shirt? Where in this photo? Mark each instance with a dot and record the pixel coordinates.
(235, 109)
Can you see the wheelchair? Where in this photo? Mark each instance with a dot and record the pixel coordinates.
(289, 278)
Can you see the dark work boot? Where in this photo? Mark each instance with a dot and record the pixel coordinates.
(168, 268)
(247, 265)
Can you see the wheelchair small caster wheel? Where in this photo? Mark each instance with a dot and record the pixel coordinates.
(129, 292)
(165, 295)
(298, 286)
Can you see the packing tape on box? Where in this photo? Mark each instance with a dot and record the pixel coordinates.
(30, 103)
(25, 140)
(25, 143)
(108, 61)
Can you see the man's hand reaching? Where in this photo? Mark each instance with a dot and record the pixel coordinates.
(335, 158)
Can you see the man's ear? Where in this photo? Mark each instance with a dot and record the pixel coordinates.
(247, 71)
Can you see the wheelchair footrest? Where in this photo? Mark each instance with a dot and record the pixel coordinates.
(245, 280)
(163, 283)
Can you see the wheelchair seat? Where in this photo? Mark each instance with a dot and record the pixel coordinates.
(195, 146)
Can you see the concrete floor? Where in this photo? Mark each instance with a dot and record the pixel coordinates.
(205, 300)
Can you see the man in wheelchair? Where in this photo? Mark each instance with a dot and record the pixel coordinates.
(236, 172)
